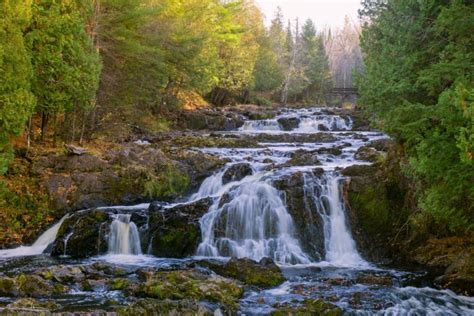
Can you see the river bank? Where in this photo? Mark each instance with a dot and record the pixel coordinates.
(313, 189)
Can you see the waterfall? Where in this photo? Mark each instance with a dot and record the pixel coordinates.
(323, 122)
(250, 221)
(39, 246)
(340, 247)
(260, 125)
(123, 237)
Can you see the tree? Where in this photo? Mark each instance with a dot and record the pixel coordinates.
(16, 99)
(65, 63)
(418, 85)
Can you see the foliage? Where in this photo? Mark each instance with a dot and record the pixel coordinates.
(66, 65)
(16, 99)
(418, 84)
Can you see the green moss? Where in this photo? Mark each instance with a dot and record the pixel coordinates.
(59, 288)
(7, 287)
(119, 284)
(168, 181)
(177, 285)
(310, 307)
(373, 208)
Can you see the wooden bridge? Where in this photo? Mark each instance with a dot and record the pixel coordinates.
(340, 96)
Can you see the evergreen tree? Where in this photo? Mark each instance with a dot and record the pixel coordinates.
(418, 83)
(16, 99)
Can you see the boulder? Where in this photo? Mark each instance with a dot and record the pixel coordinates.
(237, 172)
(304, 158)
(368, 154)
(175, 232)
(288, 123)
(82, 235)
(303, 207)
(8, 287)
(263, 274)
(374, 279)
(151, 306)
(33, 286)
(190, 284)
(308, 307)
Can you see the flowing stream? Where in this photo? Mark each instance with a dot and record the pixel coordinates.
(251, 217)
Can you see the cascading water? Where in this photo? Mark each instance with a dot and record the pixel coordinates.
(250, 221)
(39, 246)
(340, 246)
(124, 238)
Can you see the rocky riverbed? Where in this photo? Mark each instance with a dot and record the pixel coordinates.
(276, 212)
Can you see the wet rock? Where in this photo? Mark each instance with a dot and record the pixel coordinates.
(308, 307)
(33, 286)
(375, 279)
(166, 307)
(262, 274)
(303, 209)
(175, 232)
(374, 202)
(63, 274)
(8, 287)
(304, 158)
(382, 144)
(190, 284)
(83, 235)
(289, 123)
(29, 306)
(335, 151)
(237, 172)
(459, 276)
(368, 154)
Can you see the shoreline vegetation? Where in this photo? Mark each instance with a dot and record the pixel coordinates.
(138, 83)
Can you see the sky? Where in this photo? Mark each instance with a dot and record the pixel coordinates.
(323, 12)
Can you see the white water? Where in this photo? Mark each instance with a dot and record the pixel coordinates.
(123, 237)
(38, 247)
(340, 246)
(254, 223)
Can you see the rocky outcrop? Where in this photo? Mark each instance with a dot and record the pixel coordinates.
(210, 119)
(308, 307)
(374, 204)
(175, 232)
(82, 235)
(459, 276)
(288, 123)
(304, 158)
(368, 154)
(237, 172)
(189, 284)
(166, 307)
(263, 274)
(302, 208)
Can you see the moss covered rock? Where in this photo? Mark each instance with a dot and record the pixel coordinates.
(309, 307)
(8, 287)
(191, 284)
(82, 235)
(459, 276)
(33, 286)
(175, 232)
(165, 307)
(263, 274)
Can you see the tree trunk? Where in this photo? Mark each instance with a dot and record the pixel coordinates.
(44, 123)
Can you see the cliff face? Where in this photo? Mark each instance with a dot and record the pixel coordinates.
(383, 216)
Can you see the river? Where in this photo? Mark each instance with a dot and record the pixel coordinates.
(249, 218)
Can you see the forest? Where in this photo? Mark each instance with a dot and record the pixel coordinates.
(150, 149)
